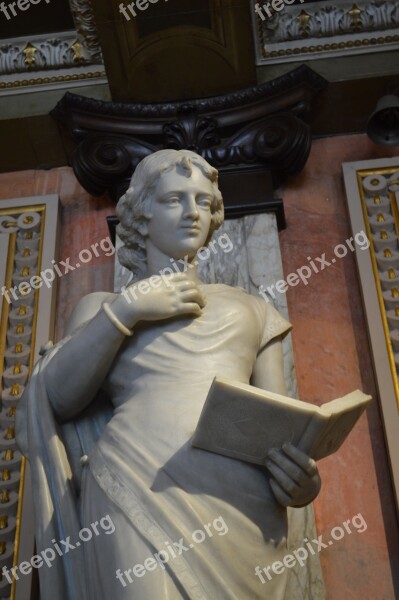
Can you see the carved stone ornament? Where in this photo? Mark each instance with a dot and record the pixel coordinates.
(54, 58)
(259, 133)
(312, 30)
(83, 17)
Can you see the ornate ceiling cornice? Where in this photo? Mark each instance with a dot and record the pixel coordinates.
(325, 29)
(56, 59)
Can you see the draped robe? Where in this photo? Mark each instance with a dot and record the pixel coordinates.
(142, 471)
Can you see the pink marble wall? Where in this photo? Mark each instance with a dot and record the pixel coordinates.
(330, 345)
(83, 222)
(332, 358)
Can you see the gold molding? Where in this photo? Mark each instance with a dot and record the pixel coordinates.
(21, 210)
(361, 174)
(54, 79)
(38, 208)
(389, 39)
(5, 310)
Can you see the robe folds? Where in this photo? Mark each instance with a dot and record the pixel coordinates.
(141, 470)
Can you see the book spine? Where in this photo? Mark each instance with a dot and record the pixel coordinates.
(313, 434)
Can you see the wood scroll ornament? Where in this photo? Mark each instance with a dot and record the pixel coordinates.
(255, 137)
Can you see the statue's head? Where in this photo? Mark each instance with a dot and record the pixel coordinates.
(135, 209)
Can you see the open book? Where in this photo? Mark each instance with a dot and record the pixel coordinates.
(245, 422)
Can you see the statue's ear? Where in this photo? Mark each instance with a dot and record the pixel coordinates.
(146, 217)
(142, 226)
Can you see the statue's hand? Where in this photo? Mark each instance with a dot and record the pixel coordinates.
(296, 480)
(159, 298)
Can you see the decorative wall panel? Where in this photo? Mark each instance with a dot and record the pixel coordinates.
(373, 195)
(28, 231)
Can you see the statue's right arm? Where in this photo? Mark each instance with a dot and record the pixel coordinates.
(77, 371)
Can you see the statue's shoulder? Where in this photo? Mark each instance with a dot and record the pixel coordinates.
(87, 308)
(238, 295)
(223, 288)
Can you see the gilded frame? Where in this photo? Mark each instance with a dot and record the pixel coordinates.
(37, 312)
(372, 189)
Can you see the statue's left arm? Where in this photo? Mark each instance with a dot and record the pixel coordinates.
(296, 481)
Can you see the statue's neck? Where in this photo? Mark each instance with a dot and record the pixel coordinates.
(157, 263)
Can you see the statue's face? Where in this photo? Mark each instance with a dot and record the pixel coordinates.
(180, 213)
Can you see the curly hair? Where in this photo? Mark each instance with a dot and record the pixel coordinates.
(133, 207)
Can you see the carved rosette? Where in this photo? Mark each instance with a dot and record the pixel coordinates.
(194, 133)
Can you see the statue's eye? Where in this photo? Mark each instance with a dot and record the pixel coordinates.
(204, 201)
(171, 200)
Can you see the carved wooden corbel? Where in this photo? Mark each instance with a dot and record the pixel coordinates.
(255, 137)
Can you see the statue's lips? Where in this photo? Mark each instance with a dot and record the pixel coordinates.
(191, 228)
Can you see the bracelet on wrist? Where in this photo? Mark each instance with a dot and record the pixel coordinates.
(115, 321)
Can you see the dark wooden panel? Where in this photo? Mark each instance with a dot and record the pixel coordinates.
(345, 106)
(176, 50)
(45, 16)
(174, 13)
(31, 143)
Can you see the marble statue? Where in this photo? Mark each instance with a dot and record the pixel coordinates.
(107, 418)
